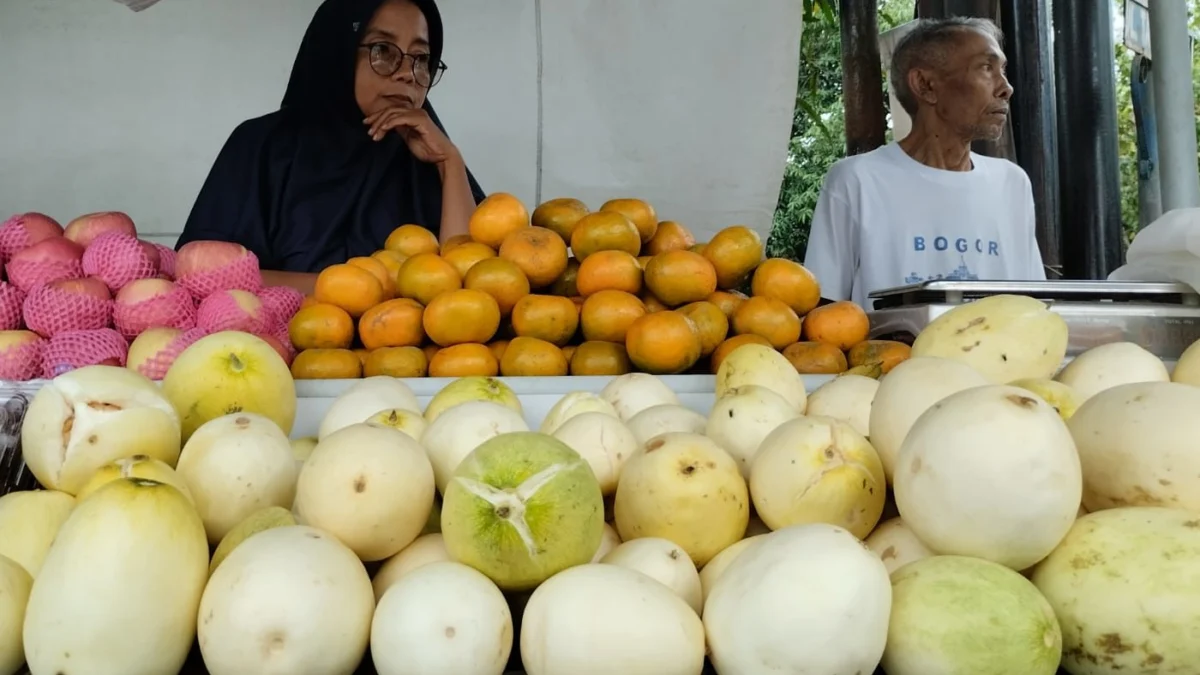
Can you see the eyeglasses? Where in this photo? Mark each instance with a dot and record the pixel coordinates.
(387, 59)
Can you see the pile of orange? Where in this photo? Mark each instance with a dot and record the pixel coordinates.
(570, 291)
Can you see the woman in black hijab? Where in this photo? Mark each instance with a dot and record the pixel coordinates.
(354, 151)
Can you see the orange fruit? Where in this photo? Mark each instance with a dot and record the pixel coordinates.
(395, 323)
(430, 352)
(609, 270)
(546, 317)
(565, 285)
(605, 231)
(680, 277)
(640, 213)
(698, 248)
(425, 276)
(652, 303)
(727, 347)
(734, 252)
(815, 358)
(531, 357)
(465, 360)
(560, 216)
(496, 217)
(842, 324)
(788, 281)
(663, 343)
(454, 242)
(362, 355)
(497, 348)
(461, 316)
(321, 326)
(728, 301)
(326, 364)
(887, 353)
(540, 253)
(670, 236)
(600, 358)
(644, 260)
(352, 288)
(395, 362)
(501, 279)
(411, 240)
(464, 256)
(391, 260)
(607, 315)
(769, 318)
(376, 267)
(308, 301)
(711, 324)
(569, 351)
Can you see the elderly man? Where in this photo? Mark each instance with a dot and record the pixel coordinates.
(927, 207)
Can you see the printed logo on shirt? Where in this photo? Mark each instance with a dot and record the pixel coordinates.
(960, 273)
(961, 245)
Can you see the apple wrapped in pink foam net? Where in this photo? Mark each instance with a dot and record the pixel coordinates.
(29, 274)
(280, 334)
(166, 260)
(12, 299)
(156, 366)
(24, 230)
(283, 301)
(234, 310)
(117, 259)
(22, 362)
(173, 309)
(49, 311)
(78, 348)
(241, 275)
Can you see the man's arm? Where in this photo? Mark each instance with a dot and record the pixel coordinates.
(301, 281)
(833, 241)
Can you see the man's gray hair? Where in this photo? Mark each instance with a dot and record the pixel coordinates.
(925, 46)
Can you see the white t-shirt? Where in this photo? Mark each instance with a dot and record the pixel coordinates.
(884, 219)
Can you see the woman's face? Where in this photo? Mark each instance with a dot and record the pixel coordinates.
(401, 24)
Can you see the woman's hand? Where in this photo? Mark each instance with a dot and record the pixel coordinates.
(424, 139)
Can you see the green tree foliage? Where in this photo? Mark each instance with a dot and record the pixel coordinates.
(818, 124)
(818, 129)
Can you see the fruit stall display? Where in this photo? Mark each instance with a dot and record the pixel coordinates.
(977, 509)
(569, 291)
(93, 293)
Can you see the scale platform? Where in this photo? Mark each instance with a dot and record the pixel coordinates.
(1161, 317)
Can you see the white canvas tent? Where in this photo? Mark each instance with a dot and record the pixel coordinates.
(687, 103)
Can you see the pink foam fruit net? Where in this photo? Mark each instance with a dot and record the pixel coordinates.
(28, 274)
(12, 299)
(118, 259)
(14, 237)
(156, 366)
(22, 362)
(75, 349)
(50, 311)
(284, 302)
(241, 275)
(174, 309)
(166, 260)
(220, 311)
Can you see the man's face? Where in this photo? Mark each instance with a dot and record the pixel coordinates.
(970, 94)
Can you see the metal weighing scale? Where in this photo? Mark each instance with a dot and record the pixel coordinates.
(1163, 318)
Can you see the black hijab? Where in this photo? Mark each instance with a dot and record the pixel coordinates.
(305, 187)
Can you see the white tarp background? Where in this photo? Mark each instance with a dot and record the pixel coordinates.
(687, 103)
